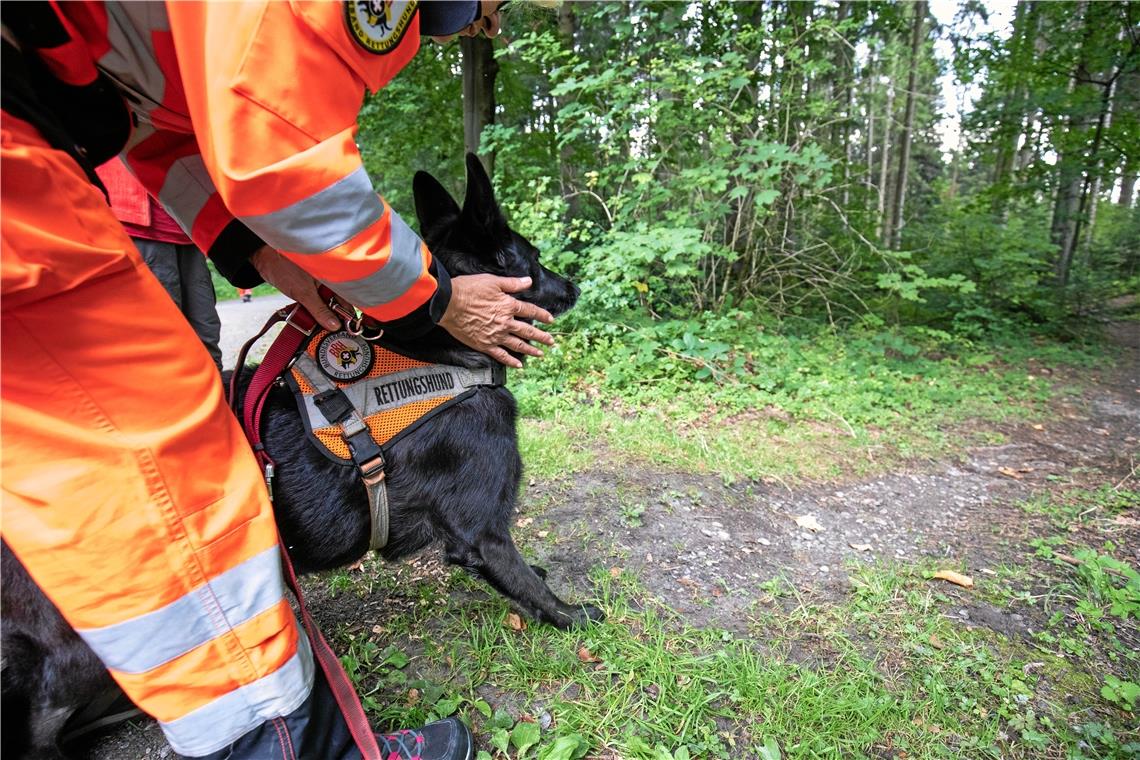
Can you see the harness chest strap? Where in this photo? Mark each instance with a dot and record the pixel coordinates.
(338, 410)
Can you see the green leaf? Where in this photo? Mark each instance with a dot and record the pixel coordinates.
(501, 740)
(569, 747)
(766, 197)
(396, 659)
(483, 708)
(501, 719)
(524, 736)
(446, 707)
(770, 750)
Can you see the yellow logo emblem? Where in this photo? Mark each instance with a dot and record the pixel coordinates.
(379, 25)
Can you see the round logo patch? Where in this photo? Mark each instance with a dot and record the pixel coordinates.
(379, 25)
(344, 357)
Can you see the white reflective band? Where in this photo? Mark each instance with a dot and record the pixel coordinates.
(186, 189)
(324, 220)
(404, 267)
(223, 603)
(220, 723)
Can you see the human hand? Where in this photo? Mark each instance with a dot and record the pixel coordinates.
(295, 283)
(483, 316)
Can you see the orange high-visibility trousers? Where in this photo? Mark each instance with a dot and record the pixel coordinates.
(129, 491)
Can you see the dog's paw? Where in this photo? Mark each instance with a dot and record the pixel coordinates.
(592, 614)
(539, 571)
(587, 614)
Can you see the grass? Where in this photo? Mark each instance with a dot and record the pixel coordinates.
(224, 291)
(780, 405)
(884, 669)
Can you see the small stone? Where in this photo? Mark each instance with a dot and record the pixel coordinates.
(965, 613)
(824, 569)
(764, 542)
(545, 720)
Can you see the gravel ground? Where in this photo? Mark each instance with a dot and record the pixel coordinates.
(240, 321)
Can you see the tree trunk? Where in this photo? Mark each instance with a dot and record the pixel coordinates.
(479, 71)
(870, 85)
(567, 28)
(1069, 170)
(1127, 184)
(884, 163)
(908, 125)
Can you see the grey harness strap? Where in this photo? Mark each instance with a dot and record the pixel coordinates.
(372, 470)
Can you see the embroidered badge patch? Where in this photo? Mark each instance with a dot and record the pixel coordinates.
(379, 25)
(344, 357)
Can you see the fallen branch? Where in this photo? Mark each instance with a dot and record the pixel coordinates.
(1069, 559)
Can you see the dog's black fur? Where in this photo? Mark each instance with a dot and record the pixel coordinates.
(452, 480)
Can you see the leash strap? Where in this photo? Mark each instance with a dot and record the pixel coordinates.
(339, 683)
(299, 324)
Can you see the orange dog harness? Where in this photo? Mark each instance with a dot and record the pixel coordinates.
(357, 396)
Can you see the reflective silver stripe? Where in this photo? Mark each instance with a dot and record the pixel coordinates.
(131, 59)
(224, 602)
(404, 267)
(324, 220)
(185, 190)
(217, 724)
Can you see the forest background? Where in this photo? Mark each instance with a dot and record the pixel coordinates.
(687, 162)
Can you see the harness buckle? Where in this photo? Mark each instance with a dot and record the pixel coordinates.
(269, 471)
(372, 471)
(289, 320)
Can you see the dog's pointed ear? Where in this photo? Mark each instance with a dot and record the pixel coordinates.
(479, 204)
(435, 207)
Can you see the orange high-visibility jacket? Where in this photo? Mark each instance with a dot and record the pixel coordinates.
(245, 123)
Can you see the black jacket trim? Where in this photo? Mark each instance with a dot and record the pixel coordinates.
(231, 252)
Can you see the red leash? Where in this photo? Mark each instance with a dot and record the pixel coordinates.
(299, 325)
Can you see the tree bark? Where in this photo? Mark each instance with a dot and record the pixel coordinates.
(908, 125)
(1069, 171)
(1127, 185)
(884, 163)
(479, 71)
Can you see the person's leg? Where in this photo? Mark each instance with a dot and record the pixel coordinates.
(129, 490)
(199, 303)
(130, 494)
(162, 260)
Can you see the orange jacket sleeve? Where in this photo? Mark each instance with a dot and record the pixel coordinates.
(273, 91)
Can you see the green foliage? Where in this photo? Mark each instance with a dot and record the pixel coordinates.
(1123, 693)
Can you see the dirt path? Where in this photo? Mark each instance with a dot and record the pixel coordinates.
(705, 548)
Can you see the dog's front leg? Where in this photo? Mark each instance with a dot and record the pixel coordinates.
(497, 560)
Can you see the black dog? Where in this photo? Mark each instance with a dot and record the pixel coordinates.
(454, 480)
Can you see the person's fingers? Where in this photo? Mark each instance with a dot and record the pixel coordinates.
(530, 332)
(502, 357)
(512, 284)
(520, 346)
(527, 310)
(320, 310)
